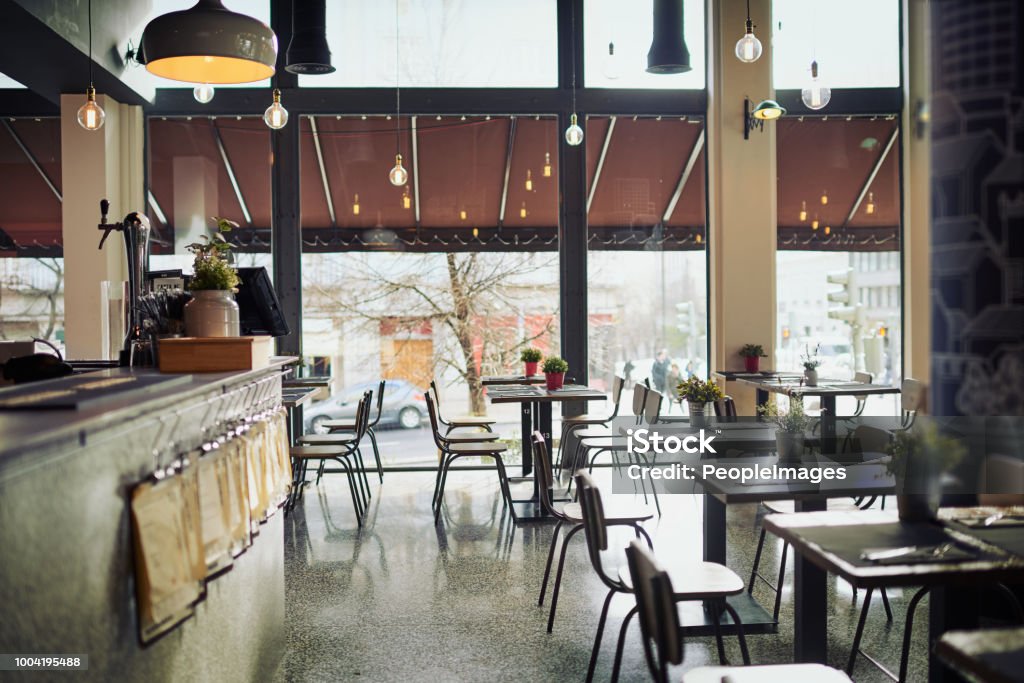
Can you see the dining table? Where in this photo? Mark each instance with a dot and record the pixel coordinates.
(990, 655)
(536, 402)
(954, 557)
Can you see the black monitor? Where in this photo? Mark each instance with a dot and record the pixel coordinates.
(259, 310)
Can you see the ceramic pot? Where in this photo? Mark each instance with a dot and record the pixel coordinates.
(555, 380)
(916, 507)
(789, 445)
(212, 313)
(811, 378)
(531, 368)
(752, 363)
(697, 415)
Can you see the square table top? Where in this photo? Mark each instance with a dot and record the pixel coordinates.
(995, 655)
(511, 393)
(834, 540)
(489, 380)
(825, 387)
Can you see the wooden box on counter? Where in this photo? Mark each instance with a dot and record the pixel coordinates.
(214, 354)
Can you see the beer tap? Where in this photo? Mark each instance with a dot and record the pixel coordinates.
(135, 229)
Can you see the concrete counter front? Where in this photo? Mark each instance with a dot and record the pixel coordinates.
(67, 582)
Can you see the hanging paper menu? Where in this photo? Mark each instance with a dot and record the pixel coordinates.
(214, 507)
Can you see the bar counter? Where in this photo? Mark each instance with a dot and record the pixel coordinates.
(67, 580)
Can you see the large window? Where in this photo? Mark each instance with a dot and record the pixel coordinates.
(446, 278)
(838, 264)
(647, 268)
(617, 36)
(31, 244)
(443, 43)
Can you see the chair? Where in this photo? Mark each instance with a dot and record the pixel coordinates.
(862, 399)
(663, 637)
(449, 424)
(725, 409)
(348, 425)
(602, 439)
(572, 423)
(571, 514)
(452, 451)
(350, 440)
(705, 581)
(912, 400)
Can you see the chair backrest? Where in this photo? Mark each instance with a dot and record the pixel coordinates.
(912, 395)
(618, 383)
(725, 408)
(652, 407)
(595, 527)
(656, 610)
(542, 470)
(863, 377)
(435, 427)
(363, 415)
(639, 400)
(437, 402)
(380, 402)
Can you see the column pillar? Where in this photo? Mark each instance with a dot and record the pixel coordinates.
(742, 219)
(107, 163)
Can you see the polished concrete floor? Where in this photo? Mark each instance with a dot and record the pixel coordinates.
(403, 600)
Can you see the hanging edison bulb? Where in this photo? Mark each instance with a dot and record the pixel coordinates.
(203, 93)
(814, 223)
(462, 214)
(406, 199)
(803, 211)
(612, 64)
(870, 208)
(522, 211)
(573, 134)
(355, 205)
(698, 238)
(529, 180)
(828, 229)
(398, 175)
(276, 116)
(91, 114)
(816, 95)
(748, 48)
(824, 197)
(547, 164)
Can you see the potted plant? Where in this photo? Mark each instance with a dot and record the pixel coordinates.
(752, 355)
(531, 357)
(791, 426)
(918, 458)
(212, 312)
(811, 362)
(698, 393)
(554, 372)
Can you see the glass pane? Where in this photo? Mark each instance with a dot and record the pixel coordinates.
(8, 83)
(445, 278)
(205, 167)
(444, 43)
(856, 44)
(646, 270)
(617, 36)
(31, 241)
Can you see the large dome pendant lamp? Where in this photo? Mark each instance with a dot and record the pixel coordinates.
(209, 43)
(668, 53)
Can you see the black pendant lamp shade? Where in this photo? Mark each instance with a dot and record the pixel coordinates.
(308, 52)
(209, 43)
(668, 53)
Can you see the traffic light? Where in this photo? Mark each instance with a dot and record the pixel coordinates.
(685, 319)
(847, 295)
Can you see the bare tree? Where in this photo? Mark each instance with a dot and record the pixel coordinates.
(40, 302)
(479, 299)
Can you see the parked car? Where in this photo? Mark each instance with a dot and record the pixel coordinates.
(404, 406)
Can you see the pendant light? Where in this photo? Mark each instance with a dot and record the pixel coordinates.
(816, 94)
(748, 48)
(308, 51)
(870, 208)
(276, 116)
(803, 211)
(529, 180)
(91, 114)
(814, 223)
(573, 134)
(355, 205)
(522, 211)
(203, 93)
(398, 176)
(612, 64)
(668, 53)
(209, 43)
(547, 164)
(406, 199)
(824, 197)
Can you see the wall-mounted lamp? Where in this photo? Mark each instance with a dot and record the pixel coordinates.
(767, 110)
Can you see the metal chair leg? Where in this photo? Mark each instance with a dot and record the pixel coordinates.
(621, 645)
(643, 532)
(440, 493)
(558, 576)
(778, 584)
(852, 661)
(888, 608)
(757, 561)
(908, 631)
(551, 558)
(718, 637)
(738, 623)
(597, 639)
(376, 453)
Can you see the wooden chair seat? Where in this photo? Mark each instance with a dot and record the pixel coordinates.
(327, 439)
(613, 514)
(612, 443)
(593, 433)
(471, 421)
(318, 452)
(586, 418)
(476, 448)
(696, 581)
(474, 437)
(338, 424)
(791, 673)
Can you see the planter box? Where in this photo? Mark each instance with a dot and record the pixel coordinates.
(214, 354)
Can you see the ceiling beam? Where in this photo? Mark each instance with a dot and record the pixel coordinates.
(871, 176)
(683, 177)
(323, 170)
(600, 161)
(231, 173)
(508, 169)
(32, 160)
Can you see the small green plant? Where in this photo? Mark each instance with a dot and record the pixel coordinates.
(752, 351)
(697, 390)
(531, 355)
(922, 451)
(810, 358)
(553, 364)
(210, 267)
(793, 421)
